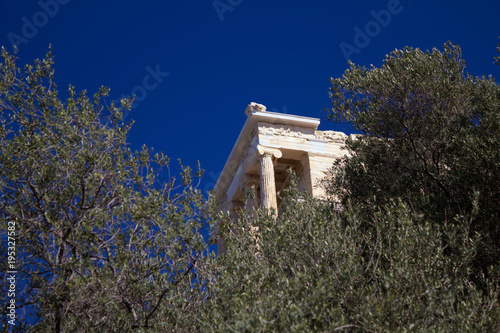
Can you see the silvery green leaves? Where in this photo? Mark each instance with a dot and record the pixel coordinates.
(107, 236)
(430, 138)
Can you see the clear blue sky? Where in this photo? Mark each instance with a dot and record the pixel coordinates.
(221, 55)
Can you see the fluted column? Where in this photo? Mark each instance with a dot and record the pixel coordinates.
(267, 182)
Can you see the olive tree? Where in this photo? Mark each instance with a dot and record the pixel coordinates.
(431, 136)
(106, 239)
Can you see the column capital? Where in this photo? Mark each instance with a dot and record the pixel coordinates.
(274, 152)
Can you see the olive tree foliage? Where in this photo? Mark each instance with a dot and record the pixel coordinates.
(106, 239)
(431, 137)
(318, 270)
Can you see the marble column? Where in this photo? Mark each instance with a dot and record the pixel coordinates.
(267, 183)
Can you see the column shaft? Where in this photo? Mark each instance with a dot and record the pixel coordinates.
(267, 183)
